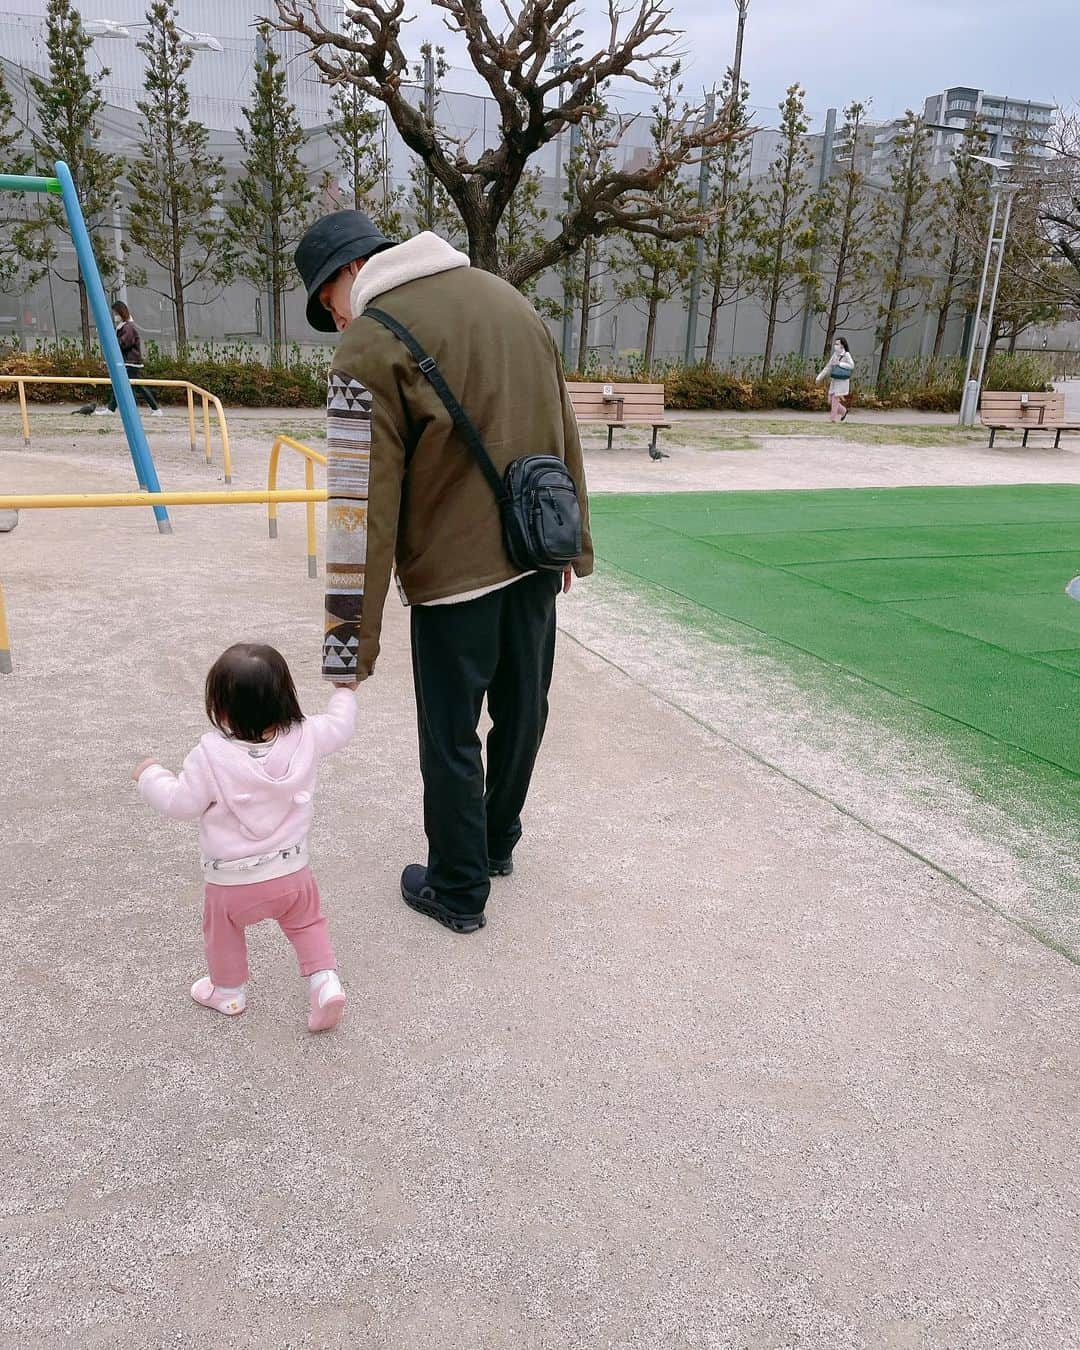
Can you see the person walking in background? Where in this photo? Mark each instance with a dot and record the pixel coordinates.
(838, 368)
(131, 350)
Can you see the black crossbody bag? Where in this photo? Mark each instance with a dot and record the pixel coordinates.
(537, 498)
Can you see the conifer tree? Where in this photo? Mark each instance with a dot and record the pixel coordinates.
(909, 242)
(846, 227)
(12, 205)
(363, 167)
(69, 102)
(734, 216)
(273, 202)
(655, 269)
(779, 262)
(176, 181)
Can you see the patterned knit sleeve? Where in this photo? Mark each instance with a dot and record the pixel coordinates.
(365, 466)
(348, 468)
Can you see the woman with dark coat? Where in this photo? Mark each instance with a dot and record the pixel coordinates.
(131, 350)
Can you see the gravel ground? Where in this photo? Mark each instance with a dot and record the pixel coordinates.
(727, 1068)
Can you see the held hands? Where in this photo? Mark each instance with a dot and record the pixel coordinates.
(146, 763)
(567, 580)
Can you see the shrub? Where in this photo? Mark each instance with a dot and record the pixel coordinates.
(232, 373)
(702, 387)
(235, 374)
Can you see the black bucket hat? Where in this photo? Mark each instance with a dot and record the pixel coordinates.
(326, 248)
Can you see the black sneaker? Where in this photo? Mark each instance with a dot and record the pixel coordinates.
(500, 867)
(418, 895)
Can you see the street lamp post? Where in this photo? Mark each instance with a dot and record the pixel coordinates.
(969, 406)
(122, 31)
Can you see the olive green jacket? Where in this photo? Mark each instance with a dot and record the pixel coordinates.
(403, 489)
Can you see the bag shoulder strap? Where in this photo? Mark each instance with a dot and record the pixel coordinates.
(462, 422)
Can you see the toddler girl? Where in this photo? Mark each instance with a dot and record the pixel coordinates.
(249, 783)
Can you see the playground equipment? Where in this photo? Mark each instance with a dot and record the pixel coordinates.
(193, 391)
(63, 186)
(145, 471)
(311, 458)
(157, 500)
(309, 495)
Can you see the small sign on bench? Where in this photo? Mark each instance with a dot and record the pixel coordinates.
(1002, 410)
(622, 405)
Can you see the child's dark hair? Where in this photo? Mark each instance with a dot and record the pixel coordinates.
(121, 310)
(250, 691)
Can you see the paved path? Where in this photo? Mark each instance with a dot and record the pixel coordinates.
(725, 1069)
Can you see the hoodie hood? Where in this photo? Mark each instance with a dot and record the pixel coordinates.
(423, 256)
(263, 793)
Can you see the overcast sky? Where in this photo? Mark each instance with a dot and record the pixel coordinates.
(893, 51)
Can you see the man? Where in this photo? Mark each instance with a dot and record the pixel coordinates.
(404, 490)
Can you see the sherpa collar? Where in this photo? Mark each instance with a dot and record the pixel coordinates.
(423, 256)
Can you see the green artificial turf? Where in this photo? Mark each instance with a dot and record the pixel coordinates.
(951, 598)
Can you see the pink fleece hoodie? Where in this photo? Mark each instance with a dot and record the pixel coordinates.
(249, 807)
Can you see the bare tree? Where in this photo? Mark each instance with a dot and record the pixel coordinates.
(1060, 211)
(1054, 183)
(536, 100)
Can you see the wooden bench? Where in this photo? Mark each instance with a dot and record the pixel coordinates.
(622, 405)
(1003, 411)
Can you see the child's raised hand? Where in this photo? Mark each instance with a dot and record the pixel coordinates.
(142, 769)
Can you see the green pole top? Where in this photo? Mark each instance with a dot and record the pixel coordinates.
(20, 182)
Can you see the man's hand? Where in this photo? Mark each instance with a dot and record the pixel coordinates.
(567, 580)
(146, 763)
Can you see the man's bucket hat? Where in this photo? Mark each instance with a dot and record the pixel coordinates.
(325, 249)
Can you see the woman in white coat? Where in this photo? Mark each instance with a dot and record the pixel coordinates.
(838, 369)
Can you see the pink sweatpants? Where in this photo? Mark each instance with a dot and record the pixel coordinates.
(292, 900)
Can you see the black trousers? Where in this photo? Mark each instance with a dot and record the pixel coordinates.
(139, 390)
(501, 646)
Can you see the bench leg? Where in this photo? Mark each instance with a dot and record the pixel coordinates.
(1057, 440)
(610, 433)
(993, 433)
(1026, 429)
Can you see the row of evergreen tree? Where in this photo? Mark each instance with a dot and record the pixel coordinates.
(857, 252)
(863, 252)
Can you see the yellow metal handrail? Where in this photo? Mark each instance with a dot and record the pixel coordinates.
(5, 639)
(311, 458)
(21, 381)
(68, 500)
(63, 501)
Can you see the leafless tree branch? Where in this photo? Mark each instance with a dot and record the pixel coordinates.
(541, 86)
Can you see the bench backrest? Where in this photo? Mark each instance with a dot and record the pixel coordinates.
(640, 402)
(1004, 406)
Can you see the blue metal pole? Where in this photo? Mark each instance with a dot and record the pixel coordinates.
(110, 347)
